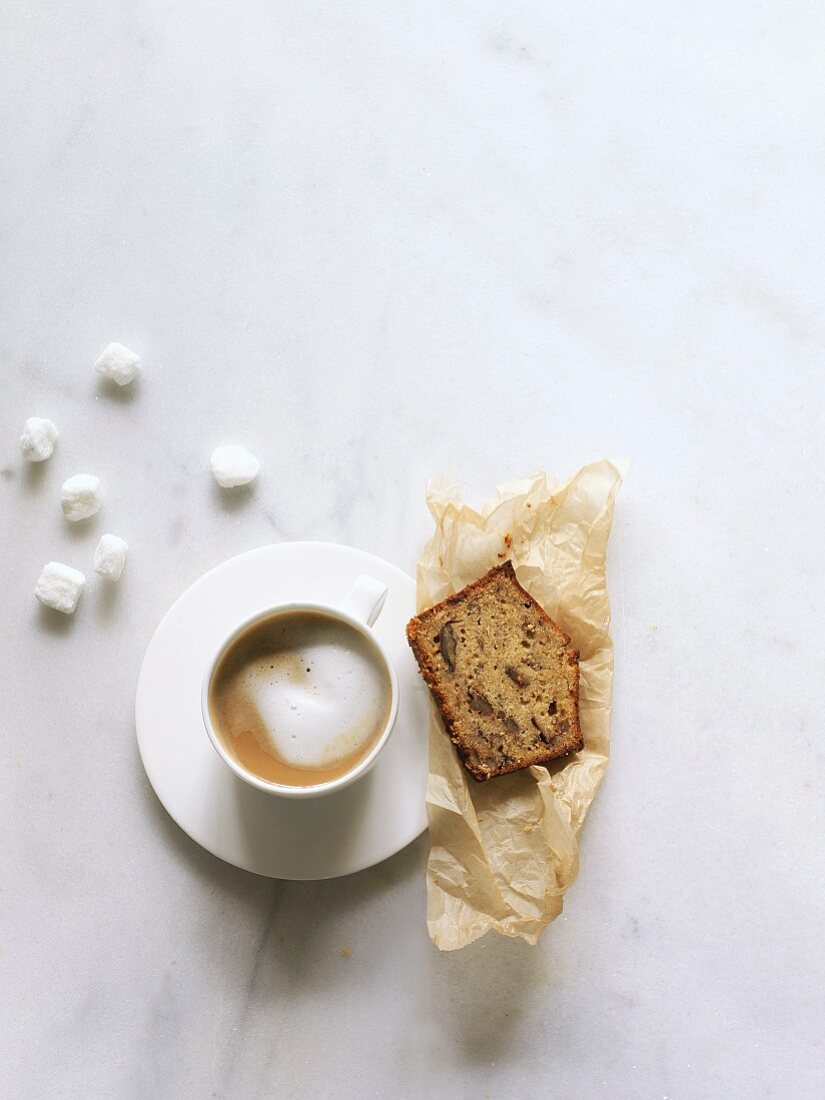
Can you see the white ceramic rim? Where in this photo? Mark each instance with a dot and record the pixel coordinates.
(317, 790)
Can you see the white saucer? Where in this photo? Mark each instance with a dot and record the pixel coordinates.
(292, 839)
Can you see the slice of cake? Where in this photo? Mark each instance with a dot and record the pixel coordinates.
(504, 676)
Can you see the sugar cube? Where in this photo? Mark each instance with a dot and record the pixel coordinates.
(118, 363)
(59, 586)
(81, 497)
(38, 439)
(234, 465)
(110, 556)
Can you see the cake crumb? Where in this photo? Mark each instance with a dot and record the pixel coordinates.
(508, 539)
(528, 828)
(345, 951)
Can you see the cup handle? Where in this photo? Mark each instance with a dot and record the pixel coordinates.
(365, 599)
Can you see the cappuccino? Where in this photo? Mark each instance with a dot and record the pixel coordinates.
(300, 698)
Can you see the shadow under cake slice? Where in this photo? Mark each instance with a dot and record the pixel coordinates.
(504, 675)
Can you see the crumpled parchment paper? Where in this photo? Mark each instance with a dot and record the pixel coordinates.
(504, 852)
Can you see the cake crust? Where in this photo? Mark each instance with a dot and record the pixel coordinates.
(504, 676)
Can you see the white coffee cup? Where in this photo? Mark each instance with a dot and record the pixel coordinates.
(359, 610)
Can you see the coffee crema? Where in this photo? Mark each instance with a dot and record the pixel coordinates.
(300, 698)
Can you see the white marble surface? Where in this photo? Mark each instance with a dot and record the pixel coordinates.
(373, 243)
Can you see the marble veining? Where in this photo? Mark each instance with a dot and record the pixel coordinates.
(375, 244)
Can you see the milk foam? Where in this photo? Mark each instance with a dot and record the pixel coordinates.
(315, 718)
(310, 688)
